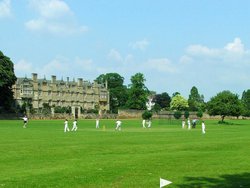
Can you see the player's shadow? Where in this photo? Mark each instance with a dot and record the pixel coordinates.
(224, 181)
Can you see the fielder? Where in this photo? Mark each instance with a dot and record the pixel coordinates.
(149, 123)
(97, 123)
(189, 124)
(25, 121)
(118, 125)
(183, 123)
(66, 126)
(74, 128)
(143, 123)
(203, 127)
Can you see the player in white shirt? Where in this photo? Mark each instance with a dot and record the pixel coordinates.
(149, 123)
(189, 124)
(25, 121)
(118, 125)
(74, 128)
(66, 126)
(143, 123)
(203, 127)
(97, 123)
(183, 123)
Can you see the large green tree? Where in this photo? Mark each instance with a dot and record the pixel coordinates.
(137, 92)
(7, 79)
(225, 104)
(117, 91)
(175, 93)
(195, 100)
(179, 103)
(246, 102)
(163, 100)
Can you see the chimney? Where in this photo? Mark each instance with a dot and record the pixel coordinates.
(53, 79)
(34, 77)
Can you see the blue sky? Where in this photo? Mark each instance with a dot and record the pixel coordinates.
(176, 44)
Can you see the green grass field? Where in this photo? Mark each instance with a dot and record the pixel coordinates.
(42, 155)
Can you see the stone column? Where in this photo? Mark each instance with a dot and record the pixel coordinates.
(53, 112)
(79, 112)
(73, 111)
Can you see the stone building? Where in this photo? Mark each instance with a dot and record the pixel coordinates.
(81, 95)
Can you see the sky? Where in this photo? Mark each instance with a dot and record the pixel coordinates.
(176, 44)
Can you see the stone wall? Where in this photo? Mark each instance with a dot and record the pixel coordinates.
(135, 114)
(129, 114)
(70, 116)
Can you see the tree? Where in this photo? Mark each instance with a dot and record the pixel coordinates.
(157, 107)
(7, 79)
(117, 91)
(199, 113)
(186, 114)
(163, 100)
(137, 93)
(246, 103)
(147, 115)
(225, 104)
(177, 114)
(27, 105)
(195, 100)
(178, 103)
(46, 110)
(175, 93)
(113, 79)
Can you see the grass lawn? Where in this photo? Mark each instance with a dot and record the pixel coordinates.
(42, 155)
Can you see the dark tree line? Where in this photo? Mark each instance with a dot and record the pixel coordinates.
(7, 79)
(133, 96)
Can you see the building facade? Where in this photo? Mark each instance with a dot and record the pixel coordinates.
(79, 96)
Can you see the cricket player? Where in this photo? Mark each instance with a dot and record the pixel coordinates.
(183, 123)
(74, 128)
(143, 123)
(118, 125)
(97, 123)
(149, 123)
(203, 127)
(25, 121)
(189, 124)
(66, 126)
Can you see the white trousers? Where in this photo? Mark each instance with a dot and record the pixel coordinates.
(203, 131)
(74, 128)
(66, 128)
(118, 127)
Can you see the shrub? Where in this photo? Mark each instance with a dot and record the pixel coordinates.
(199, 113)
(90, 111)
(177, 114)
(224, 123)
(186, 114)
(147, 115)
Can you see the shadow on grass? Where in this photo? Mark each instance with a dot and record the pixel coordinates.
(225, 181)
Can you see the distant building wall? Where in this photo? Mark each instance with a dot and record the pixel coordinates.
(78, 94)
